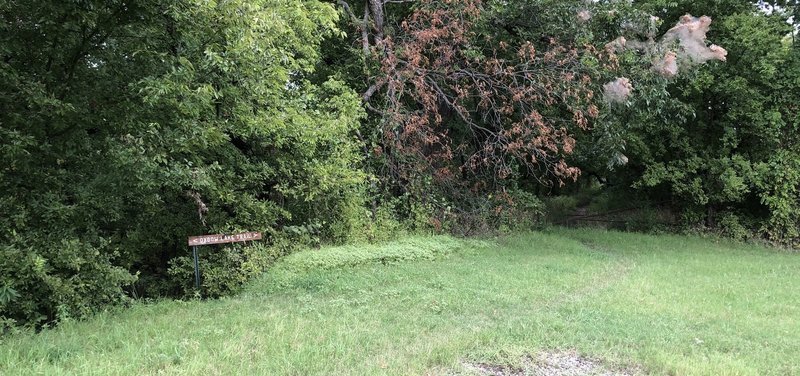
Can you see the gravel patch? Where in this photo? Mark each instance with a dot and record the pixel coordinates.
(550, 364)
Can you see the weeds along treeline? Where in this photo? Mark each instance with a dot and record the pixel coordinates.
(128, 126)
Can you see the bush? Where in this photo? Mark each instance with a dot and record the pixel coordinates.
(225, 269)
(559, 208)
(731, 226)
(356, 222)
(523, 211)
(503, 211)
(647, 219)
(53, 280)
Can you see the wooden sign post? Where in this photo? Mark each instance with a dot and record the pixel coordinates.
(196, 241)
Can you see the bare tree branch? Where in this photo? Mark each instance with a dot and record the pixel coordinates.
(349, 11)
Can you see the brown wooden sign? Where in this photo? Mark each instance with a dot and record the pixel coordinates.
(223, 238)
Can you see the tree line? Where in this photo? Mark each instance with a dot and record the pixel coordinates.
(128, 126)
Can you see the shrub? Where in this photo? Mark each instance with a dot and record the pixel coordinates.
(559, 208)
(523, 211)
(51, 279)
(730, 225)
(357, 222)
(647, 219)
(225, 269)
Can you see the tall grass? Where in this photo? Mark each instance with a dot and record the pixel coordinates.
(661, 304)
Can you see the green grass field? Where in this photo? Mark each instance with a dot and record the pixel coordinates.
(663, 305)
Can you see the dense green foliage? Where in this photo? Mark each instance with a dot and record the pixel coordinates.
(663, 305)
(126, 127)
(720, 144)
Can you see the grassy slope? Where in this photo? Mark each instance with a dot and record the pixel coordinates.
(672, 305)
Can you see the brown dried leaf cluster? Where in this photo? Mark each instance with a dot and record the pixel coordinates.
(434, 77)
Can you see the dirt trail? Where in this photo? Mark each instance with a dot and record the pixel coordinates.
(568, 363)
(616, 270)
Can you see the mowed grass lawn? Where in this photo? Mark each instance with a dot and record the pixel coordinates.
(663, 305)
